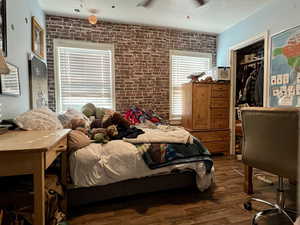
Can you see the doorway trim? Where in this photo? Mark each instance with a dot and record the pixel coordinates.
(233, 63)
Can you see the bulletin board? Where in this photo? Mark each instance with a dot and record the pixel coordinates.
(285, 69)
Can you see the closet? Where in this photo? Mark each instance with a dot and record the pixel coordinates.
(249, 83)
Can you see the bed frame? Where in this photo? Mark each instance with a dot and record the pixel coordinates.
(81, 196)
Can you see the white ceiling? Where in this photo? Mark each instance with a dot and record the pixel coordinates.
(215, 17)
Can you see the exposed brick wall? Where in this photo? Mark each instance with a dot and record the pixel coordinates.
(141, 57)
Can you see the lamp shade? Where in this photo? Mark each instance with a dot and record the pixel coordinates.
(3, 66)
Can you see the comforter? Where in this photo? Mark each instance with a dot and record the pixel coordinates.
(117, 161)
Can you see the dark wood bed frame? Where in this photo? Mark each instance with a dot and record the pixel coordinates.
(81, 196)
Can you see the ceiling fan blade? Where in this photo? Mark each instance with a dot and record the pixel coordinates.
(145, 3)
(200, 2)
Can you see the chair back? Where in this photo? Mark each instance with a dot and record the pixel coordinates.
(271, 140)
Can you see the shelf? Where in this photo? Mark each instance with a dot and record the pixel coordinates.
(253, 61)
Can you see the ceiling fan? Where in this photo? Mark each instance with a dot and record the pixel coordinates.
(148, 3)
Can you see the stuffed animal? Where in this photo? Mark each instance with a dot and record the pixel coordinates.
(97, 123)
(112, 131)
(100, 138)
(75, 123)
(89, 110)
(118, 120)
(99, 113)
(83, 130)
(103, 135)
(98, 131)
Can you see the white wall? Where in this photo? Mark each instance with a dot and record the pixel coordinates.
(19, 45)
(278, 16)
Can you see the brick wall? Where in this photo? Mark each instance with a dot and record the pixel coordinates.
(141, 57)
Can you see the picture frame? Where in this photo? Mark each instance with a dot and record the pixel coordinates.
(10, 83)
(3, 24)
(37, 39)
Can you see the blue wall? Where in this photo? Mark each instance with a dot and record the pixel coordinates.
(19, 45)
(276, 17)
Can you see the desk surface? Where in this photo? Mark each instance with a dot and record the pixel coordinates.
(28, 141)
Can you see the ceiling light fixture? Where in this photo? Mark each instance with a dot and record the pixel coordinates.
(93, 18)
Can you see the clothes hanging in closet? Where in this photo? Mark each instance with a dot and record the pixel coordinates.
(250, 84)
(259, 87)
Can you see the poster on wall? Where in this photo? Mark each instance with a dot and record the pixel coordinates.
(10, 83)
(285, 69)
(38, 83)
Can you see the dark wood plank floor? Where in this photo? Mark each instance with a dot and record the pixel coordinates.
(221, 205)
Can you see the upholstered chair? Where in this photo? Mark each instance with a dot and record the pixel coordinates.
(271, 143)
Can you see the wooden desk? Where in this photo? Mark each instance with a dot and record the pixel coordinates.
(32, 152)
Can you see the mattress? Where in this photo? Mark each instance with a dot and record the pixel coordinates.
(118, 160)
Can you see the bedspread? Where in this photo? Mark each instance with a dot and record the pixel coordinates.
(117, 161)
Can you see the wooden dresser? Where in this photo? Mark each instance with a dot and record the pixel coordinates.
(206, 114)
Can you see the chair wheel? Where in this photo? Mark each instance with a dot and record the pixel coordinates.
(248, 206)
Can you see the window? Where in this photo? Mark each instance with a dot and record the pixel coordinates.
(84, 73)
(184, 64)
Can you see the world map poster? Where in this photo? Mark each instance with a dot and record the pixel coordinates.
(285, 69)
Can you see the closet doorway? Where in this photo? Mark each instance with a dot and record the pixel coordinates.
(249, 62)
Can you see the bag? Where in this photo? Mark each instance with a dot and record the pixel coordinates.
(54, 195)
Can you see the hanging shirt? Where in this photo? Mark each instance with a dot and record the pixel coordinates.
(259, 87)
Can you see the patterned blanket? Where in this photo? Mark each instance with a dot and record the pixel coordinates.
(162, 155)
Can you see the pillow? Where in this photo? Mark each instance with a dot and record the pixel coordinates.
(74, 114)
(77, 140)
(39, 119)
(66, 123)
(71, 114)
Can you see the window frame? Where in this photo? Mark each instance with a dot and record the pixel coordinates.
(85, 45)
(177, 120)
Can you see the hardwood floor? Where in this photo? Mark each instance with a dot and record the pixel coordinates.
(221, 205)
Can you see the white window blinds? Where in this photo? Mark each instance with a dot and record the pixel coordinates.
(184, 64)
(84, 75)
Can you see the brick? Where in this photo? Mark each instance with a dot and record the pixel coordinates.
(141, 57)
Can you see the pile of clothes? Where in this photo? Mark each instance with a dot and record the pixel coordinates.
(158, 155)
(137, 115)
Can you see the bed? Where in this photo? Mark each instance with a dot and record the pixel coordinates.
(118, 169)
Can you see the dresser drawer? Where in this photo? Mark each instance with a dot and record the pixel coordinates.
(220, 123)
(55, 151)
(222, 113)
(217, 147)
(220, 91)
(211, 136)
(219, 103)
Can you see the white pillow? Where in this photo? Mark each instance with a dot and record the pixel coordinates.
(74, 114)
(39, 119)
